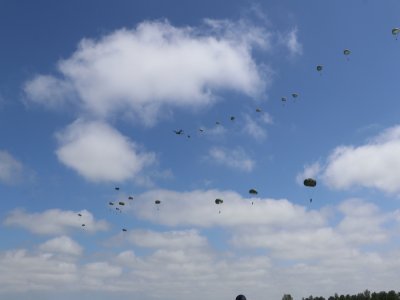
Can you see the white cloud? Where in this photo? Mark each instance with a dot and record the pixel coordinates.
(198, 208)
(100, 153)
(156, 65)
(63, 245)
(254, 129)
(170, 239)
(376, 164)
(235, 159)
(291, 41)
(54, 221)
(10, 168)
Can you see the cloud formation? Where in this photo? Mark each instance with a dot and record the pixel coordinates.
(10, 168)
(376, 164)
(54, 222)
(235, 158)
(155, 65)
(99, 153)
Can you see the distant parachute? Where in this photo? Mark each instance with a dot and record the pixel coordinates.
(201, 129)
(258, 109)
(110, 203)
(117, 188)
(218, 202)
(346, 52)
(319, 68)
(253, 191)
(217, 123)
(180, 131)
(395, 32)
(240, 297)
(310, 182)
(124, 230)
(130, 198)
(157, 202)
(295, 95)
(283, 99)
(121, 203)
(83, 225)
(80, 215)
(232, 118)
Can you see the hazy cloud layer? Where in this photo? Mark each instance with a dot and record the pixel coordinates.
(153, 65)
(99, 152)
(54, 221)
(232, 158)
(10, 168)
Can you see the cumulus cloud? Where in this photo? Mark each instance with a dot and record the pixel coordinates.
(375, 164)
(10, 168)
(170, 239)
(235, 159)
(290, 40)
(100, 153)
(198, 208)
(54, 221)
(156, 65)
(62, 245)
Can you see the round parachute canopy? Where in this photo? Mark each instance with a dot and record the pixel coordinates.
(124, 230)
(80, 215)
(157, 202)
(110, 203)
(295, 95)
(346, 52)
(310, 182)
(130, 198)
(217, 123)
(219, 201)
(395, 31)
(319, 68)
(258, 109)
(240, 297)
(83, 225)
(283, 99)
(253, 191)
(121, 203)
(117, 188)
(232, 118)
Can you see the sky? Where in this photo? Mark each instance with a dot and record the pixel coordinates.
(93, 95)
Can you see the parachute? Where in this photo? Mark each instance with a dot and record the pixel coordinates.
(319, 68)
(80, 215)
(346, 52)
(295, 95)
(232, 118)
(110, 203)
(218, 202)
(180, 131)
(283, 99)
(217, 123)
(124, 230)
(117, 188)
(83, 225)
(258, 109)
(310, 182)
(395, 32)
(121, 203)
(240, 297)
(253, 191)
(130, 198)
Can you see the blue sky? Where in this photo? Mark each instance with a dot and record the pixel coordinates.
(90, 96)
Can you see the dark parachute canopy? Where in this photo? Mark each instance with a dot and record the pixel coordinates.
(395, 32)
(130, 198)
(258, 109)
(157, 202)
(110, 203)
(346, 52)
(121, 203)
(80, 215)
(295, 95)
(310, 182)
(253, 191)
(219, 201)
(232, 118)
(124, 230)
(283, 99)
(240, 297)
(117, 188)
(319, 68)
